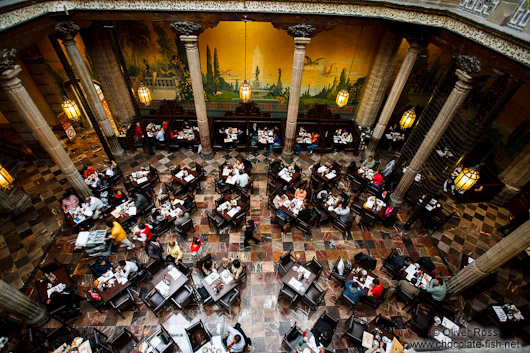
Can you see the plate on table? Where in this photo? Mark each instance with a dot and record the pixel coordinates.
(218, 350)
(204, 350)
(386, 340)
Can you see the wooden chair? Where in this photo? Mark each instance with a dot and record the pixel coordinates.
(292, 337)
(355, 330)
(123, 301)
(124, 342)
(288, 293)
(287, 261)
(154, 301)
(335, 273)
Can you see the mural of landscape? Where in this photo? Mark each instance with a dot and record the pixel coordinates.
(152, 50)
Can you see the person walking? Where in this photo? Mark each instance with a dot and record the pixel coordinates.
(250, 228)
(119, 235)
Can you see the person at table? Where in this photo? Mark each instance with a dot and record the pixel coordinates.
(409, 287)
(277, 167)
(182, 217)
(389, 168)
(118, 234)
(154, 249)
(155, 217)
(314, 141)
(437, 289)
(69, 202)
(110, 170)
(384, 196)
(185, 125)
(322, 195)
(343, 212)
(128, 268)
(239, 165)
(278, 201)
(101, 266)
(242, 180)
(159, 137)
(369, 162)
(347, 136)
(353, 291)
(165, 123)
(236, 268)
(70, 301)
(197, 339)
(254, 130)
(250, 228)
(233, 340)
(300, 194)
(174, 253)
(174, 134)
(276, 130)
(207, 267)
(118, 198)
(88, 170)
(138, 132)
(144, 233)
(141, 202)
(305, 213)
(95, 205)
(377, 180)
(322, 333)
(400, 262)
(376, 289)
(276, 142)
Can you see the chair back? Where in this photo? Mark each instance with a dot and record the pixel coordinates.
(199, 170)
(286, 258)
(154, 266)
(245, 198)
(384, 322)
(337, 167)
(368, 219)
(315, 266)
(356, 185)
(198, 326)
(239, 219)
(365, 261)
(186, 271)
(187, 226)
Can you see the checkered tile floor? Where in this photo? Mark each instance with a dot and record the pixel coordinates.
(41, 231)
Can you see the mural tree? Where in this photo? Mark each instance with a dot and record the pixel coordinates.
(209, 72)
(135, 37)
(256, 73)
(165, 51)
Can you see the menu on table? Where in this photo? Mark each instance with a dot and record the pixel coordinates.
(233, 211)
(174, 273)
(331, 175)
(162, 288)
(368, 340)
(189, 178)
(226, 277)
(211, 278)
(293, 282)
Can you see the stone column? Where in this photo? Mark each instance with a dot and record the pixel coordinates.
(33, 118)
(23, 308)
(491, 260)
(514, 177)
(380, 74)
(301, 34)
(108, 72)
(395, 93)
(194, 63)
(67, 31)
(459, 93)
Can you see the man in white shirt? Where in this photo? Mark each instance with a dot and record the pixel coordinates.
(159, 137)
(128, 268)
(95, 205)
(234, 340)
(343, 212)
(242, 180)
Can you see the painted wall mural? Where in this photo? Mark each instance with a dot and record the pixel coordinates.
(154, 54)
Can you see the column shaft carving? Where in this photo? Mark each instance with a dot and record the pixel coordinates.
(393, 97)
(380, 74)
(491, 260)
(194, 63)
(514, 177)
(300, 44)
(23, 308)
(33, 118)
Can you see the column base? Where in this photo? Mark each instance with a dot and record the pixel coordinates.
(395, 201)
(287, 156)
(505, 195)
(207, 155)
(41, 319)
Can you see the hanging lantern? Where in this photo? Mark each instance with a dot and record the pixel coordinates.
(466, 179)
(99, 91)
(408, 118)
(70, 109)
(6, 180)
(342, 98)
(144, 94)
(245, 92)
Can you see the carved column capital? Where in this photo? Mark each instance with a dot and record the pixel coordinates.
(302, 30)
(468, 64)
(66, 30)
(186, 28)
(190, 42)
(7, 59)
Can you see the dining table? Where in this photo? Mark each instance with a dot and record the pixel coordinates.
(377, 336)
(375, 206)
(361, 276)
(299, 279)
(230, 208)
(219, 283)
(307, 344)
(215, 345)
(288, 175)
(292, 207)
(327, 174)
(168, 281)
(125, 213)
(115, 285)
(184, 176)
(140, 178)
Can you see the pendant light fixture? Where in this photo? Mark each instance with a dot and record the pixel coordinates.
(244, 89)
(71, 109)
(467, 178)
(144, 94)
(344, 95)
(408, 118)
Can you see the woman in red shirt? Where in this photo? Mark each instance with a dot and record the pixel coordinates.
(195, 247)
(377, 289)
(377, 179)
(138, 131)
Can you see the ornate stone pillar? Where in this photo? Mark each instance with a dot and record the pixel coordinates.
(468, 65)
(395, 93)
(491, 260)
(380, 74)
(23, 308)
(514, 177)
(33, 118)
(194, 63)
(66, 31)
(301, 34)
(108, 72)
